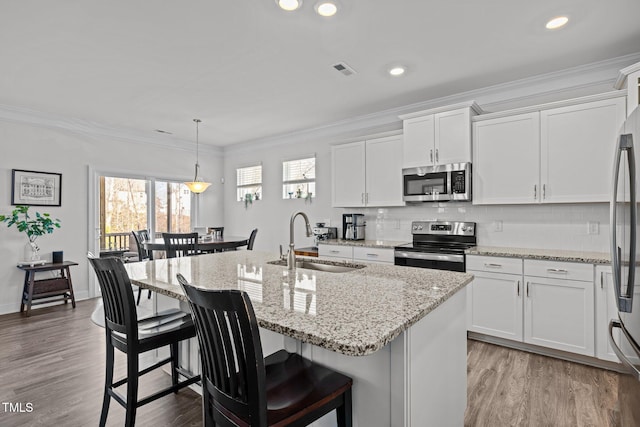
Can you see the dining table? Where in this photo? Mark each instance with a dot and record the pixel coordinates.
(206, 244)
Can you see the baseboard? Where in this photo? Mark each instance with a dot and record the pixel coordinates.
(549, 352)
(15, 307)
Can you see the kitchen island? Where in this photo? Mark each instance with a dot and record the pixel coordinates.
(399, 332)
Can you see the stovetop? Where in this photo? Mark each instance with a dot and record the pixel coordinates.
(441, 237)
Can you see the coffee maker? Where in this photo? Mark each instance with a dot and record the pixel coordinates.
(322, 233)
(353, 226)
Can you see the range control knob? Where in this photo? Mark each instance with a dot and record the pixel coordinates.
(419, 227)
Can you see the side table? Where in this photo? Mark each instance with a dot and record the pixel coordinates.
(34, 290)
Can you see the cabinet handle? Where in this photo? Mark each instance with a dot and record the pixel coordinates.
(492, 265)
(366, 198)
(372, 255)
(544, 191)
(557, 270)
(431, 155)
(518, 287)
(333, 251)
(601, 280)
(362, 198)
(527, 289)
(437, 156)
(535, 192)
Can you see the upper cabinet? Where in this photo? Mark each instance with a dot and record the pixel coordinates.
(548, 155)
(367, 173)
(438, 136)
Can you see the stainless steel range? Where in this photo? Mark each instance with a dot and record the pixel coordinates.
(437, 244)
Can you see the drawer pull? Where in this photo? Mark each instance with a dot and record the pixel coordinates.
(333, 251)
(373, 255)
(492, 265)
(557, 270)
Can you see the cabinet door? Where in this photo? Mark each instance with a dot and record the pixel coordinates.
(348, 174)
(576, 149)
(418, 142)
(559, 314)
(453, 136)
(606, 310)
(384, 171)
(506, 160)
(494, 305)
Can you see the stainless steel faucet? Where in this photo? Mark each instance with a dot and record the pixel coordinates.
(291, 258)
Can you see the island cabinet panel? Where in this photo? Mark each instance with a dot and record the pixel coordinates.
(336, 251)
(606, 310)
(559, 310)
(378, 255)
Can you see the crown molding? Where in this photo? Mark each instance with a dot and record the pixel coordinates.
(92, 130)
(624, 73)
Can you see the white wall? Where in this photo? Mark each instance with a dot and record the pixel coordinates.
(26, 146)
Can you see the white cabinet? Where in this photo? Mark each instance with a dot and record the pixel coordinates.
(506, 160)
(559, 306)
(576, 150)
(438, 136)
(545, 303)
(550, 155)
(357, 253)
(606, 310)
(494, 298)
(367, 173)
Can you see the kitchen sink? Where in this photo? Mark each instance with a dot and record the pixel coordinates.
(322, 265)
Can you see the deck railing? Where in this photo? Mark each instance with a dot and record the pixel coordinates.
(116, 241)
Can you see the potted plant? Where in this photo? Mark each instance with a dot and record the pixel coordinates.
(32, 227)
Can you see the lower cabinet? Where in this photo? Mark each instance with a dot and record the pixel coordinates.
(545, 303)
(607, 310)
(357, 253)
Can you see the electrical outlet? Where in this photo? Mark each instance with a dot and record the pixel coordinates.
(497, 225)
(593, 227)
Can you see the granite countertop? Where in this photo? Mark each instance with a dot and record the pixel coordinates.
(543, 254)
(389, 244)
(354, 313)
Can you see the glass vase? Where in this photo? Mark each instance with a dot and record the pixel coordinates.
(31, 250)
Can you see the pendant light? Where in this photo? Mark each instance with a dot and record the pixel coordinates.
(197, 186)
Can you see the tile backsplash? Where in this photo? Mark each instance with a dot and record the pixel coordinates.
(583, 227)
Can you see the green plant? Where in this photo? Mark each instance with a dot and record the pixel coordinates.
(33, 227)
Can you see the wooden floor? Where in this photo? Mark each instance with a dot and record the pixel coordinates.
(54, 360)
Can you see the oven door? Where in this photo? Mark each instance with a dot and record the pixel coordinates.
(425, 184)
(436, 261)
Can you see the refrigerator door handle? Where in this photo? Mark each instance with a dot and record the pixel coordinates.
(624, 301)
(623, 358)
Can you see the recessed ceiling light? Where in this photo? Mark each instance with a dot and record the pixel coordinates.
(397, 71)
(557, 22)
(289, 5)
(326, 8)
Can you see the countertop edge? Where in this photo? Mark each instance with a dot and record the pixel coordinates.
(602, 258)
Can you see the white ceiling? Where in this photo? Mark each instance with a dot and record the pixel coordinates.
(250, 70)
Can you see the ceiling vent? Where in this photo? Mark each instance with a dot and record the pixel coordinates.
(344, 68)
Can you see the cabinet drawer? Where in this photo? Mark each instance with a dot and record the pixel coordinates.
(559, 270)
(373, 254)
(335, 251)
(494, 264)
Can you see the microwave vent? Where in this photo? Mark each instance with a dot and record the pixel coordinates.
(344, 69)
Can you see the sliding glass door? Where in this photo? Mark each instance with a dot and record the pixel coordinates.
(172, 208)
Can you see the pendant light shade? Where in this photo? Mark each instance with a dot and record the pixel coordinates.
(197, 186)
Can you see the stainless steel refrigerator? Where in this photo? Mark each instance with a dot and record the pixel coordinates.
(624, 331)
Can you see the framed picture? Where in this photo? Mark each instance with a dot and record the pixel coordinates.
(34, 188)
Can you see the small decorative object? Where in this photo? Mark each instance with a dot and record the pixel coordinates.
(57, 257)
(248, 200)
(299, 193)
(31, 188)
(290, 194)
(256, 196)
(307, 198)
(33, 227)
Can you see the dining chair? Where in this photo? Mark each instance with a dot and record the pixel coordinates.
(252, 238)
(240, 387)
(140, 237)
(133, 336)
(215, 230)
(180, 244)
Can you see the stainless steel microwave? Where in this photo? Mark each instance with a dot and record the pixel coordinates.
(440, 183)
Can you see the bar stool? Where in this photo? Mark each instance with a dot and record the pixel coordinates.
(132, 336)
(240, 387)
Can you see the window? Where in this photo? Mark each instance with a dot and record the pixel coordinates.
(249, 181)
(299, 178)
